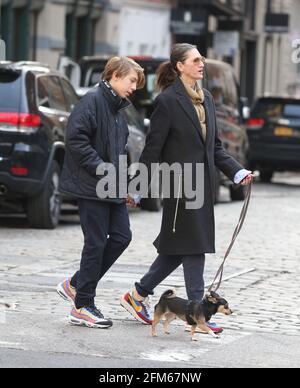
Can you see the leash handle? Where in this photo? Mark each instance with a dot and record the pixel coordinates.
(234, 236)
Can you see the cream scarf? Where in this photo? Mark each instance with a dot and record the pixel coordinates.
(197, 97)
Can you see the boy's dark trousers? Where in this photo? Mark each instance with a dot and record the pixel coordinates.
(107, 234)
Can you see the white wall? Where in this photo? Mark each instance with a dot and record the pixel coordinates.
(144, 32)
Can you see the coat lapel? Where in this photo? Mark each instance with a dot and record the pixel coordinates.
(209, 120)
(188, 107)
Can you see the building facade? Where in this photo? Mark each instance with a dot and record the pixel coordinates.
(223, 30)
(43, 29)
(277, 73)
(235, 31)
(229, 30)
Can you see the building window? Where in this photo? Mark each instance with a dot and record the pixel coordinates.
(15, 30)
(4, 33)
(80, 36)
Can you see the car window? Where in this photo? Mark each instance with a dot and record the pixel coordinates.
(57, 99)
(42, 92)
(10, 91)
(133, 117)
(291, 110)
(231, 89)
(95, 77)
(216, 84)
(276, 109)
(143, 98)
(70, 95)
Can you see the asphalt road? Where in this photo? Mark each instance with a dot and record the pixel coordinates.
(261, 283)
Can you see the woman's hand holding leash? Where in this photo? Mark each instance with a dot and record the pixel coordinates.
(247, 180)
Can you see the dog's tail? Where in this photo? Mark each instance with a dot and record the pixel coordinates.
(168, 294)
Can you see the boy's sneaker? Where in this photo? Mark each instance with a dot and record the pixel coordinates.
(66, 291)
(138, 309)
(213, 326)
(90, 317)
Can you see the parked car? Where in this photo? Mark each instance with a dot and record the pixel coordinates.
(274, 135)
(87, 73)
(219, 80)
(35, 103)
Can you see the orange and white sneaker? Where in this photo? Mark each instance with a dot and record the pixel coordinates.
(139, 309)
(66, 291)
(90, 317)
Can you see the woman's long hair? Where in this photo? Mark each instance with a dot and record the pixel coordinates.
(167, 71)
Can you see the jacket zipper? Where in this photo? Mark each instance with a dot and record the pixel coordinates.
(117, 150)
(177, 203)
(117, 139)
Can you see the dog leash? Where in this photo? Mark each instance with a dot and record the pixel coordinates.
(235, 234)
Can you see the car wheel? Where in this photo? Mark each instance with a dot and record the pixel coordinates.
(151, 204)
(43, 210)
(266, 175)
(237, 194)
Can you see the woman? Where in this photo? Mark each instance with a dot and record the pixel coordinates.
(183, 130)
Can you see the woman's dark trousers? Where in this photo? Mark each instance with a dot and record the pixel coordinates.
(164, 265)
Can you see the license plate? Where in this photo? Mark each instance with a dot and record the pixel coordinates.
(283, 131)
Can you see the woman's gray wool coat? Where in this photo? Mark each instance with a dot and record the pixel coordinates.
(175, 136)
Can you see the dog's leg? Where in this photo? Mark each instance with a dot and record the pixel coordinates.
(207, 330)
(169, 318)
(193, 329)
(155, 322)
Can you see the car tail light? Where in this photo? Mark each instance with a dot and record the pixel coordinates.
(255, 123)
(22, 122)
(18, 170)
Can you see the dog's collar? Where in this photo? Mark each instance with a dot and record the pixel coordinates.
(208, 314)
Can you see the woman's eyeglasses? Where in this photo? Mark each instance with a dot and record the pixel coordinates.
(200, 59)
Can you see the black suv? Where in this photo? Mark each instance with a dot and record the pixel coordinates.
(274, 135)
(35, 103)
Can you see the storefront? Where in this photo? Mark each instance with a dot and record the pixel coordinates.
(195, 21)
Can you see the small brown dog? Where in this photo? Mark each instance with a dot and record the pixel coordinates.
(194, 313)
